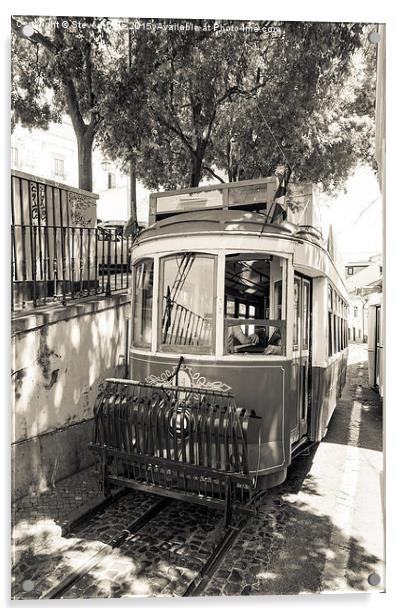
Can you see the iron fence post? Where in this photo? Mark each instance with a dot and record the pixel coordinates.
(109, 259)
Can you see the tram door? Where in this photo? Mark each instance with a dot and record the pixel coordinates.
(378, 347)
(301, 356)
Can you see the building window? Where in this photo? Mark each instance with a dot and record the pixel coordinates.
(350, 271)
(14, 157)
(59, 167)
(355, 312)
(230, 308)
(111, 180)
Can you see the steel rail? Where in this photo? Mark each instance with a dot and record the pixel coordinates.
(204, 576)
(202, 579)
(57, 591)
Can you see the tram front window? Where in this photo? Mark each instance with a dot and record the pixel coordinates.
(254, 308)
(142, 306)
(187, 303)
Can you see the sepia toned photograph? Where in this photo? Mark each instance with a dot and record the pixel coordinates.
(197, 312)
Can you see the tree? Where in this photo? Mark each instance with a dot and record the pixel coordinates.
(124, 104)
(317, 113)
(238, 103)
(202, 70)
(58, 70)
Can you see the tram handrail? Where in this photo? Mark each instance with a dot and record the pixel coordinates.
(278, 324)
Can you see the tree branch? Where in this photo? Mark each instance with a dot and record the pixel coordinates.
(209, 129)
(177, 130)
(88, 74)
(73, 106)
(36, 37)
(214, 174)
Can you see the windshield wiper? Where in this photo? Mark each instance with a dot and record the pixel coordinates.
(167, 317)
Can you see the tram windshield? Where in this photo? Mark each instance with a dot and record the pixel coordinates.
(187, 298)
(254, 306)
(142, 305)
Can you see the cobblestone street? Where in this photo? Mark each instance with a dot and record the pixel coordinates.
(320, 531)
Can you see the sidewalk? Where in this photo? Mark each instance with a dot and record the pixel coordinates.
(37, 545)
(67, 496)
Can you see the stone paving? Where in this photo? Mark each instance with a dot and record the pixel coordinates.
(319, 531)
(42, 556)
(66, 496)
(160, 560)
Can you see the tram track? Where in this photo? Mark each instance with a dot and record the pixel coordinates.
(196, 586)
(202, 579)
(57, 591)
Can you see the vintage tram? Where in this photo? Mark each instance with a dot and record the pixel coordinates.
(238, 347)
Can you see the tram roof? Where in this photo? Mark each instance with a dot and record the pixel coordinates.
(210, 221)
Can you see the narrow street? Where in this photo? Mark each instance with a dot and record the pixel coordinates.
(322, 530)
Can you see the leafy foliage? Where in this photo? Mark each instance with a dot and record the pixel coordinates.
(318, 112)
(185, 106)
(60, 70)
(241, 102)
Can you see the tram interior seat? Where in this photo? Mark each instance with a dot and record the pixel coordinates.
(253, 304)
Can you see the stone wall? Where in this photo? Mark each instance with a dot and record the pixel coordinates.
(61, 355)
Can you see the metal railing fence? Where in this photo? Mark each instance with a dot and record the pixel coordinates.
(54, 263)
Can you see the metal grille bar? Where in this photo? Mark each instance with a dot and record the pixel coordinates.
(184, 440)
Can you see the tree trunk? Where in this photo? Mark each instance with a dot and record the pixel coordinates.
(228, 162)
(85, 143)
(196, 166)
(131, 226)
(133, 193)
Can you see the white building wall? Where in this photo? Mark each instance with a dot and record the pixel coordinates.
(35, 151)
(358, 319)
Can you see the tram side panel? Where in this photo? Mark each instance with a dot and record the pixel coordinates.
(327, 385)
(328, 372)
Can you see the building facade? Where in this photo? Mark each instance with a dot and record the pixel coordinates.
(52, 154)
(365, 281)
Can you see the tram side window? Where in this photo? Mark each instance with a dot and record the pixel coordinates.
(337, 323)
(143, 280)
(336, 339)
(346, 332)
(254, 305)
(186, 322)
(306, 310)
(330, 346)
(296, 313)
(330, 333)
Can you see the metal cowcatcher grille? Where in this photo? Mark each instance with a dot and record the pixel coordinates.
(188, 443)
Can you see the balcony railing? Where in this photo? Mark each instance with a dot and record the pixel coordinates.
(58, 253)
(56, 264)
